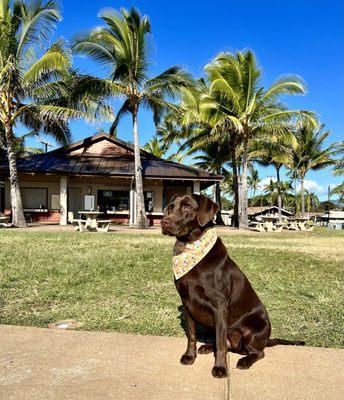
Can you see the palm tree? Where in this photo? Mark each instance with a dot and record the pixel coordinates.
(311, 200)
(338, 150)
(277, 192)
(123, 47)
(237, 102)
(310, 153)
(201, 132)
(338, 170)
(253, 181)
(338, 190)
(212, 157)
(159, 148)
(293, 174)
(156, 147)
(276, 152)
(34, 91)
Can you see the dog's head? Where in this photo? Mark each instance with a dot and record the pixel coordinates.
(187, 213)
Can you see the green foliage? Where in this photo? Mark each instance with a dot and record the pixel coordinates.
(311, 153)
(37, 84)
(226, 203)
(122, 46)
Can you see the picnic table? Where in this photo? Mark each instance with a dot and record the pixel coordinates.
(271, 222)
(4, 221)
(299, 224)
(91, 223)
(268, 223)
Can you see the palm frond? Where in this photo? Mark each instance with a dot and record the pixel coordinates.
(56, 60)
(37, 23)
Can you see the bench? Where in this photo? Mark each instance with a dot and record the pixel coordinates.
(103, 225)
(258, 226)
(279, 227)
(79, 224)
(83, 225)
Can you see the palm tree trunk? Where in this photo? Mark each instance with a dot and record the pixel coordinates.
(302, 196)
(141, 217)
(279, 197)
(18, 218)
(218, 219)
(235, 218)
(295, 195)
(243, 221)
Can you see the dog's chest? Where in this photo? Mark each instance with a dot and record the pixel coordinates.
(192, 293)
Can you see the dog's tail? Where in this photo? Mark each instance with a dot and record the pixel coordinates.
(274, 342)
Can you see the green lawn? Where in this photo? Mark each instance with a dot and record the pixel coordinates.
(123, 281)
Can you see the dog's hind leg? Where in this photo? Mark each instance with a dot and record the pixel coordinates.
(254, 345)
(233, 343)
(206, 348)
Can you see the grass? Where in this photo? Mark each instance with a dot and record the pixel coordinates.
(123, 281)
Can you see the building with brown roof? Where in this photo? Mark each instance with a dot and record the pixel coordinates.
(98, 173)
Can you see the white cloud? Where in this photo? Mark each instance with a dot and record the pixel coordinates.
(312, 186)
(266, 181)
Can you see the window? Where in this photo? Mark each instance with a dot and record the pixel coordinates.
(34, 197)
(55, 202)
(113, 200)
(149, 201)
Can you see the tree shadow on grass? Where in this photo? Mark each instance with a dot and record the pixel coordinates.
(204, 334)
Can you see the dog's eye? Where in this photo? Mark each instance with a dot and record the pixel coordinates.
(186, 207)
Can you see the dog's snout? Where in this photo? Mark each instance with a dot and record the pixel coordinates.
(164, 222)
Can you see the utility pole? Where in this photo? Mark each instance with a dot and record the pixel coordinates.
(46, 144)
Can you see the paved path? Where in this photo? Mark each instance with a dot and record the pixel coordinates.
(39, 364)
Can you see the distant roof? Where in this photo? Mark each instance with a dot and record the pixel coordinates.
(103, 154)
(334, 214)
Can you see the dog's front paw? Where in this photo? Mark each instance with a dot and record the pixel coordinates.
(219, 372)
(186, 359)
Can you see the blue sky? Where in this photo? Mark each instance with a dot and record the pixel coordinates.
(288, 36)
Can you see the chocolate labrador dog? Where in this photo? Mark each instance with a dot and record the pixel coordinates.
(215, 293)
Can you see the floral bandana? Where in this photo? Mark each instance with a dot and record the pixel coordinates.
(187, 255)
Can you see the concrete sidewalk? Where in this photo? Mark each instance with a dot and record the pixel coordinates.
(49, 364)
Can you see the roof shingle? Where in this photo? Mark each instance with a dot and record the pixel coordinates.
(77, 159)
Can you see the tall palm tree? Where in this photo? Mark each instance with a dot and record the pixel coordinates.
(122, 45)
(253, 181)
(35, 86)
(338, 150)
(238, 102)
(338, 170)
(293, 174)
(310, 153)
(276, 152)
(277, 190)
(203, 134)
(212, 158)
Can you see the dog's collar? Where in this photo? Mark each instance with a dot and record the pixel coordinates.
(187, 255)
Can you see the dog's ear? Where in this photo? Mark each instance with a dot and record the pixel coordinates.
(174, 197)
(206, 209)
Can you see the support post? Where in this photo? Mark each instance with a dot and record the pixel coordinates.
(63, 200)
(197, 187)
(132, 205)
